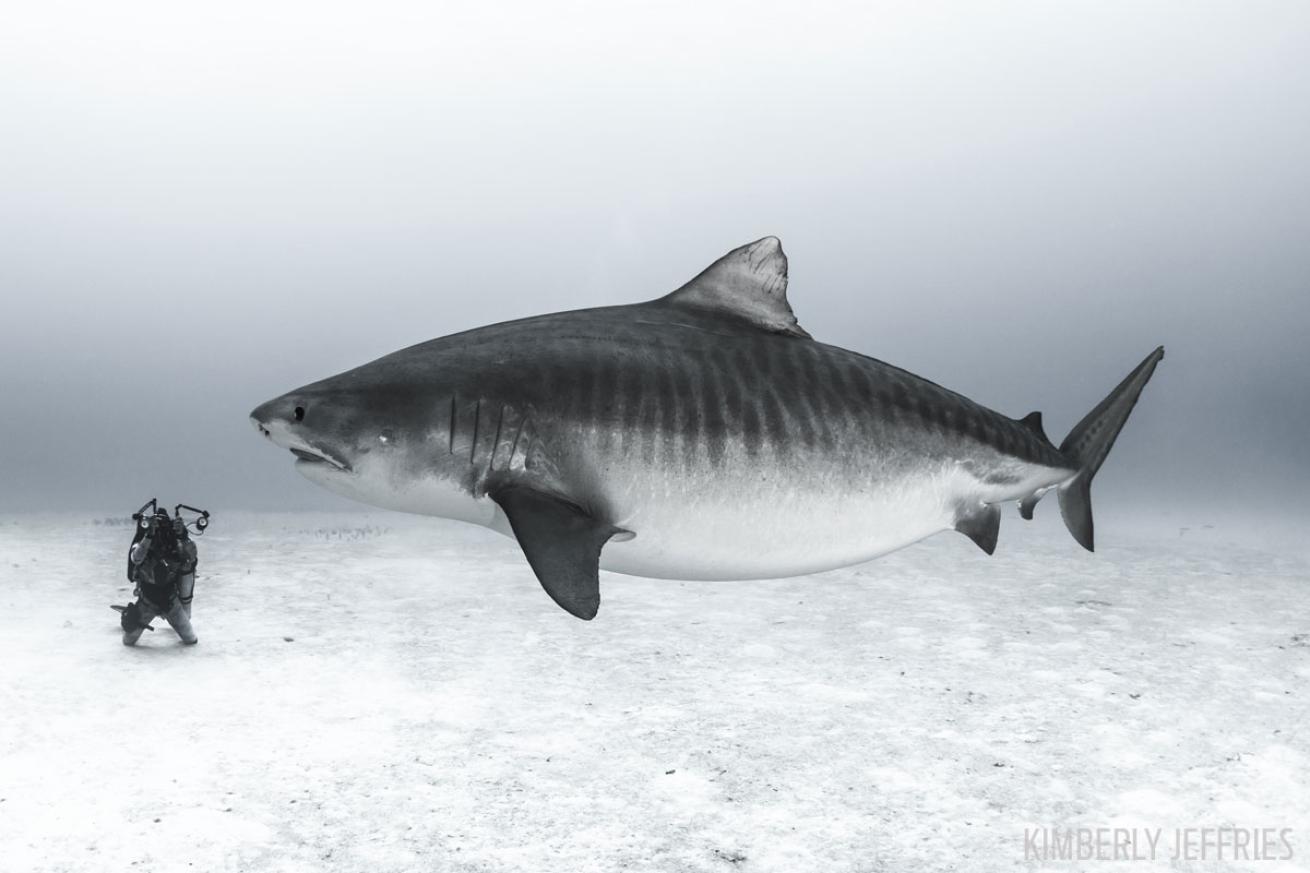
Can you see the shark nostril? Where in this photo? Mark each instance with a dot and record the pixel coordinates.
(300, 413)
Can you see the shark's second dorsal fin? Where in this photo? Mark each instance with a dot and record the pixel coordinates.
(749, 283)
(1033, 421)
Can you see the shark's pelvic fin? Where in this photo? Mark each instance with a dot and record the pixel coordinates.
(1028, 504)
(749, 283)
(562, 544)
(982, 524)
(1089, 442)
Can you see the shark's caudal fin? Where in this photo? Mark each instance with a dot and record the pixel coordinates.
(1089, 442)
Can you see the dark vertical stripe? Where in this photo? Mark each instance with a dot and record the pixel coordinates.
(712, 407)
(761, 357)
(751, 430)
(629, 391)
(1009, 439)
(666, 402)
(840, 392)
(583, 392)
(867, 404)
(775, 423)
(821, 397)
(946, 414)
(688, 404)
(971, 427)
(923, 408)
(800, 406)
(648, 416)
(900, 395)
(771, 410)
(603, 404)
(741, 379)
(728, 382)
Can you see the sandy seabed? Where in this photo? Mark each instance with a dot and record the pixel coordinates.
(377, 692)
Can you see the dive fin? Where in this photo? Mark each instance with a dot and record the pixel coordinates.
(1089, 442)
(982, 525)
(562, 544)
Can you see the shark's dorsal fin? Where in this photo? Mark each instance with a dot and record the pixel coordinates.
(749, 283)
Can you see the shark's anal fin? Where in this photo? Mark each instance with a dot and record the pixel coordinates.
(562, 544)
(982, 524)
(748, 283)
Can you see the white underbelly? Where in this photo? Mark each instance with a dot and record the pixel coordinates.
(758, 524)
(727, 535)
(751, 523)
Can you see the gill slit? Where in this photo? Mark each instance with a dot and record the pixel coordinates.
(477, 421)
(452, 424)
(523, 419)
(495, 442)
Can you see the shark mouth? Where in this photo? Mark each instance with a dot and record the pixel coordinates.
(315, 457)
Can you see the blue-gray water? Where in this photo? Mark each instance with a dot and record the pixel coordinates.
(200, 210)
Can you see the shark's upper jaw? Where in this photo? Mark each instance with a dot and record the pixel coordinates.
(280, 434)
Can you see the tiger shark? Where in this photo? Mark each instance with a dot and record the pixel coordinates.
(703, 435)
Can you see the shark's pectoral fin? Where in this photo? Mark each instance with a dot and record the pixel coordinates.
(982, 524)
(561, 542)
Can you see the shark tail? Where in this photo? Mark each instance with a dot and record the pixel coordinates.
(1088, 444)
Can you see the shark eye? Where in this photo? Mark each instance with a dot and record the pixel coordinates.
(300, 413)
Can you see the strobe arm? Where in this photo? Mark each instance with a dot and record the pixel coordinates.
(201, 522)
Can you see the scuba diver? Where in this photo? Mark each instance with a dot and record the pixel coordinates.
(162, 564)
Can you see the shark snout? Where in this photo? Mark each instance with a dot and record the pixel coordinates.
(276, 418)
(287, 409)
(282, 421)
